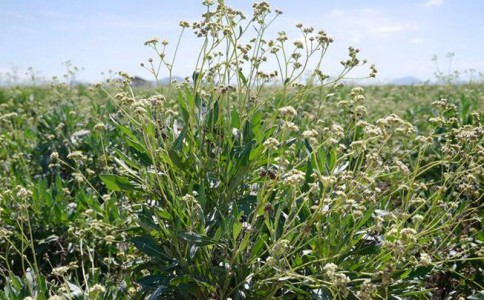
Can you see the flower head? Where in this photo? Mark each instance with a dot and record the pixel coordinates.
(288, 111)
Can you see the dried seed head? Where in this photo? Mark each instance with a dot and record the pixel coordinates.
(100, 127)
(76, 155)
(287, 111)
(271, 143)
(54, 156)
(152, 41)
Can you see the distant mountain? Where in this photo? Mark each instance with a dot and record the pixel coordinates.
(138, 81)
(407, 80)
(141, 82)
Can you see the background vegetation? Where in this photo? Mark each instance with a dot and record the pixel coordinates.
(240, 182)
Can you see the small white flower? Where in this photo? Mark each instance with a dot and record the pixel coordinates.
(271, 143)
(310, 133)
(330, 269)
(287, 111)
(425, 259)
(291, 126)
(76, 155)
(99, 126)
(294, 177)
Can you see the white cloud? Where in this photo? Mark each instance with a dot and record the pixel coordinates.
(416, 41)
(53, 14)
(25, 29)
(112, 21)
(15, 15)
(430, 3)
(359, 24)
(476, 65)
(370, 10)
(335, 13)
(107, 21)
(394, 28)
(389, 29)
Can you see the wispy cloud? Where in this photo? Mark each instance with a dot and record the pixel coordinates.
(25, 29)
(360, 24)
(430, 3)
(15, 15)
(478, 64)
(416, 41)
(394, 28)
(52, 14)
(335, 13)
(389, 29)
(370, 10)
(107, 20)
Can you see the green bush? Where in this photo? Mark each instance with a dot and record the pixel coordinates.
(251, 193)
(242, 182)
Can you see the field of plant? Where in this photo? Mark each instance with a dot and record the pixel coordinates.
(242, 183)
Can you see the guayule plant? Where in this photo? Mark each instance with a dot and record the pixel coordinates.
(56, 232)
(246, 191)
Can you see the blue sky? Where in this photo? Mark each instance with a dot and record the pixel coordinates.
(400, 37)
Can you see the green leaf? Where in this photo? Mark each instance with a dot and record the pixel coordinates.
(198, 100)
(242, 77)
(245, 242)
(202, 197)
(365, 218)
(195, 76)
(247, 132)
(117, 183)
(256, 122)
(158, 292)
(244, 155)
(183, 108)
(237, 228)
(128, 132)
(419, 272)
(197, 239)
(164, 215)
(176, 159)
(126, 159)
(247, 204)
(480, 236)
(152, 281)
(235, 119)
(145, 220)
(259, 244)
(123, 164)
(309, 149)
(149, 129)
(139, 151)
(148, 245)
(213, 115)
(331, 159)
(178, 144)
(181, 279)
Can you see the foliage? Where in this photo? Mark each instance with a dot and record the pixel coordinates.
(241, 182)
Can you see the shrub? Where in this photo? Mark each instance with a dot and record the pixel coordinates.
(249, 192)
(241, 181)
